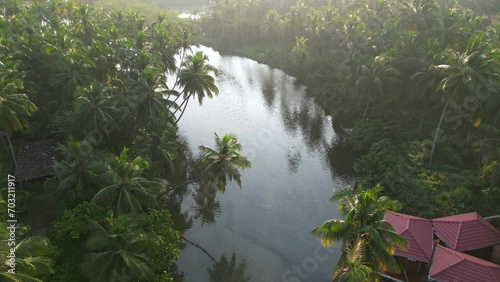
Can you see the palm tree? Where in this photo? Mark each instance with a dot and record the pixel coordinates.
(158, 144)
(95, 101)
(300, 49)
(148, 92)
(195, 78)
(374, 79)
(31, 254)
(76, 175)
(351, 267)
(418, 15)
(222, 164)
(15, 107)
(271, 27)
(163, 45)
(471, 72)
(125, 189)
(368, 240)
(31, 259)
(118, 251)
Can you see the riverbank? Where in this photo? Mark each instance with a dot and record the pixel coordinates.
(272, 54)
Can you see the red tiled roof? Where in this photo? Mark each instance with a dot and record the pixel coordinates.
(417, 231)
(449, 265)
(465, 232)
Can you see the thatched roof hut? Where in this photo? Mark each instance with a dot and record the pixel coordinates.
(35, 159)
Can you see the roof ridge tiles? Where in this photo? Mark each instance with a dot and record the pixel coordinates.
(457, 237)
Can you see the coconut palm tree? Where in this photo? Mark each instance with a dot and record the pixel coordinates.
(418, 15)
(472, 72)
(148, 93)
(158, 144)
(118, 251)
(31, 254)
(15, 107)
(367, 239)
(351, 268)
(222, 164)
(95, 101)
(373, 79)
(32, 259)
(76, 175)
(124, 187)
(195, 79)
(271, 26)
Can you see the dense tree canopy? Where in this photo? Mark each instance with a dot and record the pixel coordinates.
(96, 81)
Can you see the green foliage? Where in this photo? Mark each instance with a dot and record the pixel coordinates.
(124, 188)
(365, 134)
(67, 235)
(117, 250)
(159, 225)
(132, 247)
(100, 76)
(381, 164)
(30, 252)
(15, 107)
(368, 240)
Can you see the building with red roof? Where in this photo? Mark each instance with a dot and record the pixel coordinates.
(450, 265)
(418, 233)
(466, 232)
(460, 233)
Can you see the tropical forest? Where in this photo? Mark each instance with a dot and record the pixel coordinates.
(246, 140)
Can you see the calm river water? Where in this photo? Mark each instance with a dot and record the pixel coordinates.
(297, 163)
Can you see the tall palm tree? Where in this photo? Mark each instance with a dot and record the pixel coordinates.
(15, 107)
(195, 79)
(374, 79)
(124, 187)
(94, 101)
(367, 239)
(418, 15)
(472, 72)
(148, 92)
(76, 175)
(222, 164)
(158, 144)
(271, 27)
(118, 251)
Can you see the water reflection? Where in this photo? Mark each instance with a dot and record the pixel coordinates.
(181, 219)
(294, 156)
(226, 270)
(207, 206)
(268, 88)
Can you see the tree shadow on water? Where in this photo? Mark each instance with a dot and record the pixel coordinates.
(207, 206)
(226, 270)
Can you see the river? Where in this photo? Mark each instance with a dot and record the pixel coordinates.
(298, 161)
